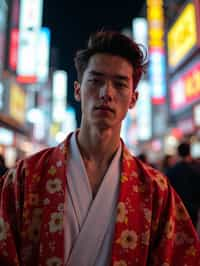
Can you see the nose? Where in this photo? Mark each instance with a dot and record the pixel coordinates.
(105, 92)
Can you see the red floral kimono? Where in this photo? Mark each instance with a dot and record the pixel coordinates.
(152, 225)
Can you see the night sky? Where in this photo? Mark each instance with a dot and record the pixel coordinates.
(71, 24)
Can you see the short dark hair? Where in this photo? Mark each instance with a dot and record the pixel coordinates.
(113, 43)
(183, 149)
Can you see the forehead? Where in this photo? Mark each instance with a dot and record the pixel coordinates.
(110, 65)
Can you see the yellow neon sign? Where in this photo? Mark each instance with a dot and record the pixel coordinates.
(183, 35)
(17, 103)
(156, 21)
(155, 12)
(156, 34)
(154, 2)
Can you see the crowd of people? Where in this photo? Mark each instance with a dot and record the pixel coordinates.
(184, 176)
(183, 172)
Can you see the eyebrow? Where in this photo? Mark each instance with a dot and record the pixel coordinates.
(100, 74)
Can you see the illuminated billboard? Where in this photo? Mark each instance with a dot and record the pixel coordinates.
(140, 31)
(182, 38)
(29, 27)
(43, 50)
(157, 70)
(17, 103)
(30, 14)
(196, 115)
(157, 61)
(185, 89)
(59, 101)
(13, 49)
(3, 20)
(143, 106)
(14, 36)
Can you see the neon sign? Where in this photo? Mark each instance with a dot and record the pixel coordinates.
(186, 89)
(183, 36)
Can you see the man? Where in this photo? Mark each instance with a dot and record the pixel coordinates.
(89, 201)
(185, 178)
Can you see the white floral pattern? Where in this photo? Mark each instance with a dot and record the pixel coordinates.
(54, 185)
(56, 222)
(54, 261)
(121, 212)
(120, 263)
(128, 239)
(145, 200)
(61, 207)
(147, 214)
(3, 229)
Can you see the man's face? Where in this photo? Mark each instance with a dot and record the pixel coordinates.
(106, 91)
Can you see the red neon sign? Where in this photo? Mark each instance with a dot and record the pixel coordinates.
(186, 89)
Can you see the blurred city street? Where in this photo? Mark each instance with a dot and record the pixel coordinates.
(37, 46)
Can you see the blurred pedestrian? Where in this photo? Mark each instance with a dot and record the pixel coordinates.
(167, 162)
(88, 201)
(3, 167)
(185, 178)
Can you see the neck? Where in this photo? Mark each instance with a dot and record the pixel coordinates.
(186, 159)
(98, 144)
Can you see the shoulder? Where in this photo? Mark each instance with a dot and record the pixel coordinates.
(195, 165)
(37, 163)
(49, 155)
(35, 160)
(30, 162)
(153, 176)
(175, 170)
(39, 157)
(146, 175)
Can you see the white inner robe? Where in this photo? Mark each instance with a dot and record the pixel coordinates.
(89, 223)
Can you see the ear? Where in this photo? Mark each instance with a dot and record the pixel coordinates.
(77, 91)
(134, 98)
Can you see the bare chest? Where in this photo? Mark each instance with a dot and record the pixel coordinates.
(95, 176)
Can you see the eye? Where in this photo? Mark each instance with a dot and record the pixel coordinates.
(95, 81)
(121, 85)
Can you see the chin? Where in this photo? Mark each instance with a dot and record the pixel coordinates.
(103, 124)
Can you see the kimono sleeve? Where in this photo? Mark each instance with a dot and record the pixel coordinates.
(175, 239)
(10, 216)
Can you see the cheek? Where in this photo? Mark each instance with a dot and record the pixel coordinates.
(89, 95)
(126, 99)
(87, 100)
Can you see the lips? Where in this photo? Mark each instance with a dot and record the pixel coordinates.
(104, 108)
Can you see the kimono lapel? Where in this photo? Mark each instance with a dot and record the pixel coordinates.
(79, 191)
(78, 197)
(131, 234)
(52, 210)
(96, 227)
